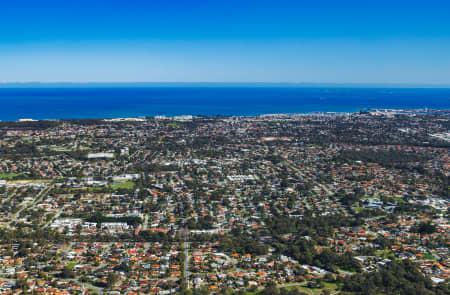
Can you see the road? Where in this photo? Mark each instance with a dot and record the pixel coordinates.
(14, 192)
(65, 252)
(186, 262)
(43, 193)
(86, 286)
(145, 222)
(60, 210)
(323, 187)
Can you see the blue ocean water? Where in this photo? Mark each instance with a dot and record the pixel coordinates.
(64, 103)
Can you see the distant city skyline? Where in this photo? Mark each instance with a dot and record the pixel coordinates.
(383, 42)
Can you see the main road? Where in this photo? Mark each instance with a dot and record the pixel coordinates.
(43, 193)
(186, 262)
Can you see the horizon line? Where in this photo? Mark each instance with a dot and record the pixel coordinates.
(40, 84)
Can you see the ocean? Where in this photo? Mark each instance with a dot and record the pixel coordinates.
(66, 103)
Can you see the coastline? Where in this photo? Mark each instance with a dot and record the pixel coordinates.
(190, 117)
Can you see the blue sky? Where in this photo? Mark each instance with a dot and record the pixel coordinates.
(225, 41)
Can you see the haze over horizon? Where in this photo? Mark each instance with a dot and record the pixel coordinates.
(199, 84)
(406, 42)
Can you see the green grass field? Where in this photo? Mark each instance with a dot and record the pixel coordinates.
(124, 185)
(8, 176)
(429, 256)
(332, 287)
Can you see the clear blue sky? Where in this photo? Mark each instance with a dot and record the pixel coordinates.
(335, 41)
